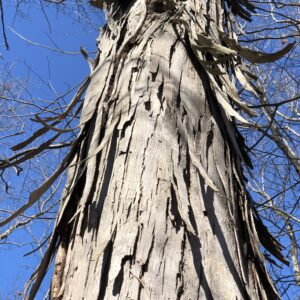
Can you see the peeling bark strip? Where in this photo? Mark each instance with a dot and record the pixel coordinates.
(154, 207)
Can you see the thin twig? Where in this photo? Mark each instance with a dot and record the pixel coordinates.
(3, 26)
(43, 46)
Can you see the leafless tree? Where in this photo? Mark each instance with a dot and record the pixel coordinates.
(156, 204)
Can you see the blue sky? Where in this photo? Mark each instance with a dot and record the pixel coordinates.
(55, 30)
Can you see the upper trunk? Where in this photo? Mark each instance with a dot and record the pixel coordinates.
(154, 207)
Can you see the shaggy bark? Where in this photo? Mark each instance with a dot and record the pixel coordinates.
(155, 207)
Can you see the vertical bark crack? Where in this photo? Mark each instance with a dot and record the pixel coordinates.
(107, 256)
(175, 215)
(119, 279)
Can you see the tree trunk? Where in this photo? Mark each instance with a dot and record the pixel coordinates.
(155, 207)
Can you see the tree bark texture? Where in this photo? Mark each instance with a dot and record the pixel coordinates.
(155, 207)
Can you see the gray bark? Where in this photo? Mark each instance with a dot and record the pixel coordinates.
(155, 207)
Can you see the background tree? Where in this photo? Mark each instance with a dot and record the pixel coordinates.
(42, 83)
(165, 86)
(275, 145)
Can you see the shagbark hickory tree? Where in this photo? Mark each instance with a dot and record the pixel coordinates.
(155, 206)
